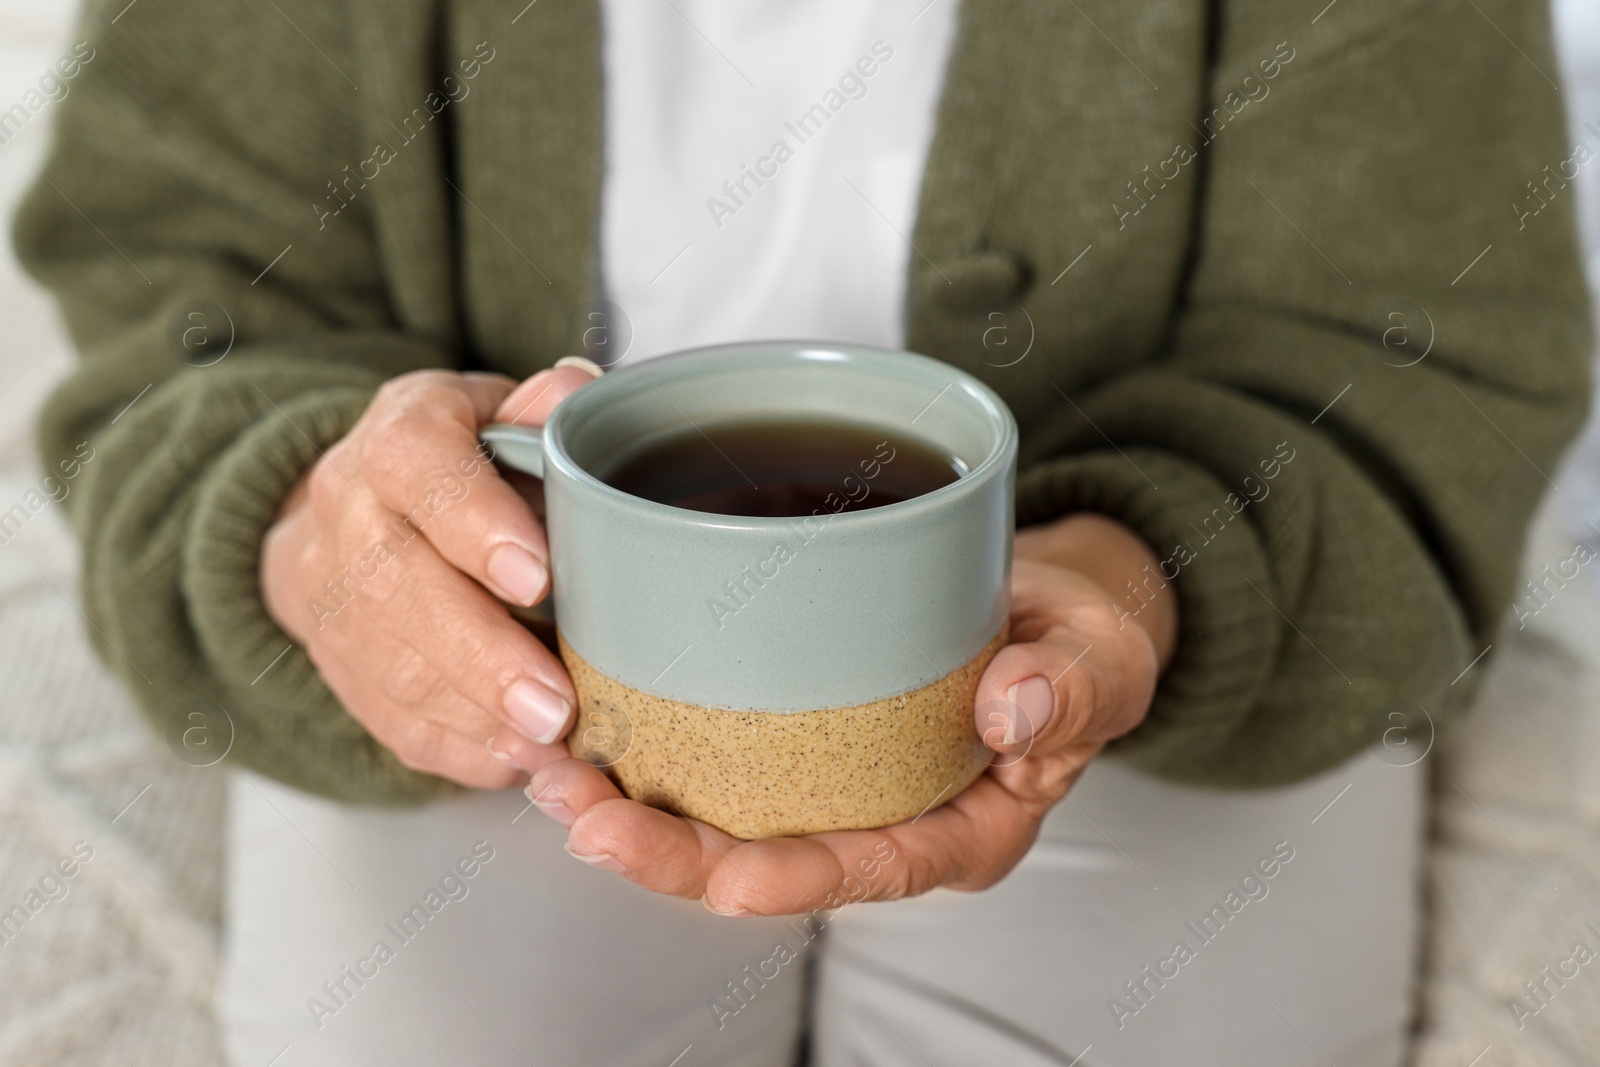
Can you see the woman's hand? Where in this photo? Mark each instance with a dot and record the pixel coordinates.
(385, 563)
(1081, 671)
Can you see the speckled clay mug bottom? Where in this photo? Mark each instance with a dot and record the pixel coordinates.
(755, 774)
(778, 676)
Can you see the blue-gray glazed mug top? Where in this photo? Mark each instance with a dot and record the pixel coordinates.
(829, 610)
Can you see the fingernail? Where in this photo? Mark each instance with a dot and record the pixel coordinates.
(602, 861)
(537, 712)
(587, 366)
(488, 743)
(1035, 700)
(517, 574)
(559, 812)
(731, 913)
(556, 809)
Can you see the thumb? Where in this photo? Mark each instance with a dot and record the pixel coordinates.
(1034, 695)
(531, 403)
(1083, 676)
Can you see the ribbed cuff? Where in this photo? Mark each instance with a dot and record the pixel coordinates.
(1228, 631)
(288, 723)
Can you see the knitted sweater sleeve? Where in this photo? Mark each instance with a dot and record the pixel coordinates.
(229, 330)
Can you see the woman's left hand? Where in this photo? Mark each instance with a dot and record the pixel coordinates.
(1080, 672)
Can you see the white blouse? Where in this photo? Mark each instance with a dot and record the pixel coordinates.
(762, 165)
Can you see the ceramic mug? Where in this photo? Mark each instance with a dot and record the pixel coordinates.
(778, 676)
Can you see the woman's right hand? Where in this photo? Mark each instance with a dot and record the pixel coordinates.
(385, 563)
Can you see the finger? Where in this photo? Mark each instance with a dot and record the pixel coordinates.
(289, 548)
(1068, 680)
(531, 403)
(1062, 692)
(471, 642)
(967, 844)
(510, 747)
(564, 789)
(421, 457)
(1026, 695)
(418, 744)
(405, 678)
(660, 851)
(410, 682)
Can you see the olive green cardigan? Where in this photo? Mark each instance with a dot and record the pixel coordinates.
(1222, 234)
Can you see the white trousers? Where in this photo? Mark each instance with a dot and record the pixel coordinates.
(1151, 924)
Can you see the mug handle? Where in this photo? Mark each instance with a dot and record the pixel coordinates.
(521, 447)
